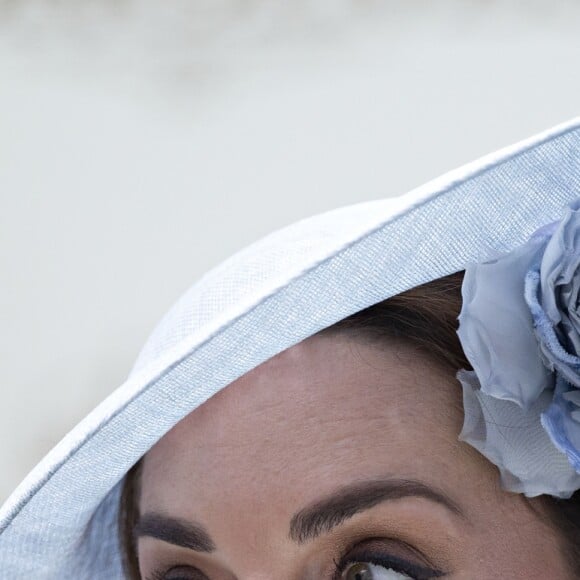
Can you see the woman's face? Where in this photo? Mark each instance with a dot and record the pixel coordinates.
(334, 460)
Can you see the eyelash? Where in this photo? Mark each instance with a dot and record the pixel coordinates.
(160, 575)
(368, 556)
(362, 556)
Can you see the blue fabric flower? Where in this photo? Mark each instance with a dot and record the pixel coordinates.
(520, 329)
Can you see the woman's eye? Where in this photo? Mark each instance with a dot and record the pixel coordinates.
(373, 565)
(180, 573)
(367, 571)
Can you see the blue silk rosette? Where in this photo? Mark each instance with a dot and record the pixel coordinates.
(520, 329)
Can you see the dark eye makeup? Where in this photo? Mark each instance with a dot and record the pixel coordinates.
(350, 566)
(380, 558)
(178, 573)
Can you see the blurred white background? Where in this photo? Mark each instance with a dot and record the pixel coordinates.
(142, 142)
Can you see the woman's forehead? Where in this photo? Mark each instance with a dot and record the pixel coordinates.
(320, 379)
(327, 407)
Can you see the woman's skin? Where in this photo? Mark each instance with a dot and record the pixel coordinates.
(335, 452)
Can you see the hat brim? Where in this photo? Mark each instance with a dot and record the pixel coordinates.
(61, 521)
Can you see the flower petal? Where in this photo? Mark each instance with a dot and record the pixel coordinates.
(573, 396)
(553, 354)
(561, 421)
(513, 439)
(496, 328)
(560, 261)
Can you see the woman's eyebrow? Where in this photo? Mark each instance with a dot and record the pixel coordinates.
(175, 531)
(324, 514)
(311, 521)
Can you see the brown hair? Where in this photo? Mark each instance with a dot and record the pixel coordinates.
(425, 317)
(127, 522)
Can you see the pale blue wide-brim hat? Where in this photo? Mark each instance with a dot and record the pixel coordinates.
(61, 521)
